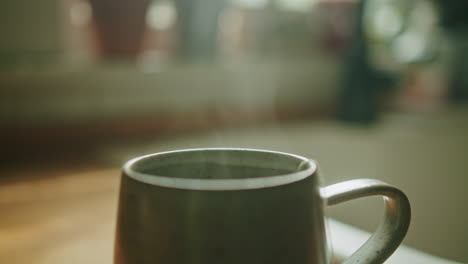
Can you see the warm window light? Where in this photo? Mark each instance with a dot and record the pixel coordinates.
(80, 13)
(251, 3)
(409, 47)
(295, 5)
(388, 21)
(161, 15)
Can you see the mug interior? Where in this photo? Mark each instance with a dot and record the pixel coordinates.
(222, 164)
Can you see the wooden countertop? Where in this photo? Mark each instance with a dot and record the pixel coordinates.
(58, 217)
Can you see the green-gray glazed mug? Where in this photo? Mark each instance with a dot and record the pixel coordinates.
(240, 206)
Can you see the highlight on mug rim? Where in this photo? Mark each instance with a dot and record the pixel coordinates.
(298, 168)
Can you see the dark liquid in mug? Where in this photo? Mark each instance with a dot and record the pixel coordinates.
(214, 171)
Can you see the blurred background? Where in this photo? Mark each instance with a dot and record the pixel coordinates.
(369, 89)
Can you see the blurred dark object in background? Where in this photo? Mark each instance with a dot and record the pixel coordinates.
(417, 49)
(454, 19)
(361, 88)
(120, 26)
(453, 14)
(458, 87)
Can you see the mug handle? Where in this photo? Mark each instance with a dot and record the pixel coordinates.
(390, 232)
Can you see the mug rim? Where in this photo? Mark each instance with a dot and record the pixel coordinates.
(203, 184)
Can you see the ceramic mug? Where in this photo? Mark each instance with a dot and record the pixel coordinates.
(242, 206)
